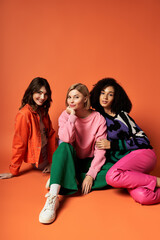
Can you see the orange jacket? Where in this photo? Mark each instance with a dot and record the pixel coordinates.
(27, 139)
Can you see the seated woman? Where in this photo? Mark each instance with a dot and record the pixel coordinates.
(34, 136)
(126, 144)
(76, 162)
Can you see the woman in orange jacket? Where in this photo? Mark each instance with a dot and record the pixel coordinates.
(34, 137)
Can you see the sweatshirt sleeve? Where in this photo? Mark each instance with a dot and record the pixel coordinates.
(136, 139)
(20, 142)
(99, 155)
(66, 130)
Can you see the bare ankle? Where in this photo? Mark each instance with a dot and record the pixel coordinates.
(158, 182)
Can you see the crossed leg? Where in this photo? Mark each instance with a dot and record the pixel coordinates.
(131, 172)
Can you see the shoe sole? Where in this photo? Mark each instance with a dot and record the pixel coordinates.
(49, 221)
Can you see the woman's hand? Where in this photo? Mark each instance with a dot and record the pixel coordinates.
(6, 175)
(103, 144)
(47, 169)
(70, 110)
(87, 184)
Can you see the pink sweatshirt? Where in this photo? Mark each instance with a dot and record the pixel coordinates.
(82, 133)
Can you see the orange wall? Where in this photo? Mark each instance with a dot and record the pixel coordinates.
(68, 41)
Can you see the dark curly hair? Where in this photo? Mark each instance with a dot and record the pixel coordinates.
(121, 100)
(34, 87)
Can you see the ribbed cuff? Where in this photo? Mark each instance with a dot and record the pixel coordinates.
(72, 118)
(92, 173)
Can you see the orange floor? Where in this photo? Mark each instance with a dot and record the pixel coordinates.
(108, 214)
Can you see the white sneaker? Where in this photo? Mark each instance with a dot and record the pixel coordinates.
(48, 213)
(47, 184)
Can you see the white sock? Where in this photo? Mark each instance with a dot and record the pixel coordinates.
(54, 189)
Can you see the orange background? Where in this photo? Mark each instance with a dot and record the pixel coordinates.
(69, 41)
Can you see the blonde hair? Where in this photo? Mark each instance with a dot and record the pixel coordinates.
(83, 90)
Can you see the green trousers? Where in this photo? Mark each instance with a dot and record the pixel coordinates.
(69, 171)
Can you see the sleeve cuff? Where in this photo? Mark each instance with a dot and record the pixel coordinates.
(92, 173)
(72, 118)
(13, 171)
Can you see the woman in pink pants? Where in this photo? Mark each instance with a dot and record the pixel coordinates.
(127, 146)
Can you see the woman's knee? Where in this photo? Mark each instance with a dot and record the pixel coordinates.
(63, 145)
(112, 177)
(63, 148)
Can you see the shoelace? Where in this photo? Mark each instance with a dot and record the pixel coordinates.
(50, 201)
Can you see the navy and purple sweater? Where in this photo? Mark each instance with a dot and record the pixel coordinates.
(125, 136)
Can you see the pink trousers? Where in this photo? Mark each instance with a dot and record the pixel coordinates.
(131, 172)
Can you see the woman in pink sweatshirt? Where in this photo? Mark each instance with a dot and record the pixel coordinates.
(77, 161)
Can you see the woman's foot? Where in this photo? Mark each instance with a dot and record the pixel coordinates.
(48, 213)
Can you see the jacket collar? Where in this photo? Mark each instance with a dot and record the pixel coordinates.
(30, 108)
(33, 111)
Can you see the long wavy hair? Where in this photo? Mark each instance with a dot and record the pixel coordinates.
(34, 87)
(121, 100)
